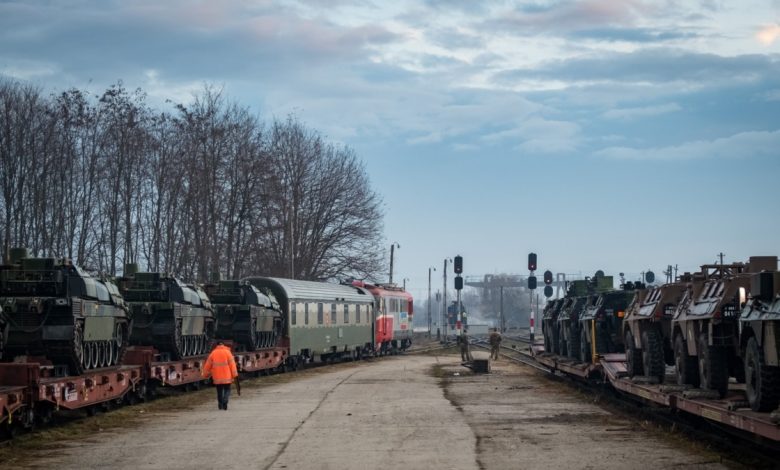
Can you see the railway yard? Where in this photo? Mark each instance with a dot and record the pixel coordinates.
(417, 410)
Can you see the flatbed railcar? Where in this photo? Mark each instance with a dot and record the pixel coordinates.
(752, 407)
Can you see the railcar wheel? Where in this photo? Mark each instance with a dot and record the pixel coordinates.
(653, 354)
(762, 382)
(633, 362)
(686, 367)
(713, 367)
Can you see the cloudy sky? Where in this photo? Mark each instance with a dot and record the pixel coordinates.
(601, 134)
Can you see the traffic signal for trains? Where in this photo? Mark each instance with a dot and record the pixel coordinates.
(548, 291)
(458, 283)
(532, 282)
(531, 262)
(548, 278)
(458, 264)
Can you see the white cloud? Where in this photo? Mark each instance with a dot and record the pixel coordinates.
(641, 112)
(28, 69)
(742, 145)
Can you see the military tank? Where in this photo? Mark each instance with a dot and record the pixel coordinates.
(53, 308)
(245, 315)
(174, 317)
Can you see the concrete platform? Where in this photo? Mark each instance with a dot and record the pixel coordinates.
(410, 412)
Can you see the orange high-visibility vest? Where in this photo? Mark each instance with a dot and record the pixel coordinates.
(220, 366)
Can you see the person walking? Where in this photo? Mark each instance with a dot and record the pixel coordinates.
(495, 343)
(221, 367)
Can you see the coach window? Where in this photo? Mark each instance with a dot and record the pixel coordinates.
(306, 313)
(404, 305)
(357, 313)
(293, 313)
(333, 318)
(320, 315)
(346, 314)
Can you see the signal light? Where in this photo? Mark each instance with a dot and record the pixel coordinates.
(532, 282)
(458, 283)
(548, 277)
(532, 261)
(621, 314)
(548, 292)
(458, 264)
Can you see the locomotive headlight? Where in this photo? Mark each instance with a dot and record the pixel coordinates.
(742, 296)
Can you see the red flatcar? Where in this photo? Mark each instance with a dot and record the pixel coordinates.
(393, 312)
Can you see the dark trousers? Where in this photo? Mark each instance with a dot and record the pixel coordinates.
(223, 395)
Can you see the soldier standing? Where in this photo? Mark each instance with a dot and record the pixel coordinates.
(463, 341)
(495, 343)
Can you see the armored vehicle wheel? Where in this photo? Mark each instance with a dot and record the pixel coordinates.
(633, 355)
(585, 351)
(762, 382)
(102, 356)
(564, 347)
(95, 354)
(178, 340)
(687, 368)
(653, 354)
(574, 343)
(713, 367)
(78, 348)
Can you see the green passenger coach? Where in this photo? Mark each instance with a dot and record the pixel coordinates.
(331, 321)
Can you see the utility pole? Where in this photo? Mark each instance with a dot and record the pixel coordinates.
(501, 322)
(444, 307)
(392, 251)
(721, 255)
(429, 300)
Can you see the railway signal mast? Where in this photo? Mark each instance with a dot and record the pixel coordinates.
(458, 267)
(532, 287)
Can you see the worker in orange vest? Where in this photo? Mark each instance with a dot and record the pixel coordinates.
(221, 367)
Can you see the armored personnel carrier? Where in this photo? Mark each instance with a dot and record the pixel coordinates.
(647, 330)
(245, 315)
(550, 326)
(577, 300)
(760, 341)
(174, 317)
(706, 324)
(603, 320)
(53, 308)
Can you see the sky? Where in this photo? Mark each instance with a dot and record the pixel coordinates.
(600, 134)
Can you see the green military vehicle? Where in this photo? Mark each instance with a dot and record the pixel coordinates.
(174, 317)
(550, 327)
(52, 308)
(245, 315)
(603, 320)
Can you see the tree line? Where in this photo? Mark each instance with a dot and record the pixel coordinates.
(204, 187)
